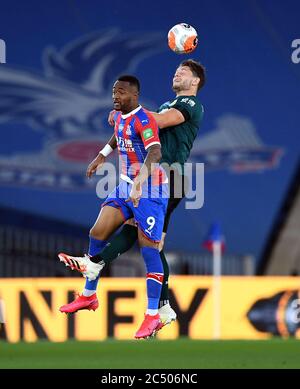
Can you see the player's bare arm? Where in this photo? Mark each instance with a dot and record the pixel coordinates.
(101, 157)
(169, 118)
(153, 157)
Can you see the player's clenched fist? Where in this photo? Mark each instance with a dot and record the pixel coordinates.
(135, 194)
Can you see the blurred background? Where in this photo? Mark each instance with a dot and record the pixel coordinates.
(55, 94)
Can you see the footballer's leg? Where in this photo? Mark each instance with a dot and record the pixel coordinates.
(178, 185)
(109, 220)
(149, 216)
(167, 314)
(120, 243)
(154, 278)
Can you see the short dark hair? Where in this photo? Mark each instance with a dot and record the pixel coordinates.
(197, 69)
(132, 81)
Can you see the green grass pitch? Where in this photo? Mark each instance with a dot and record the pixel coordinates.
(179, 354)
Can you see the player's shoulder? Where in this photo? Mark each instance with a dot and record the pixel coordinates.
(144, 116)
(192, 101)
(165, 106)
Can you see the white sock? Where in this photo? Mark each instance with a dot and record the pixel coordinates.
(87, 292)
(151, 312)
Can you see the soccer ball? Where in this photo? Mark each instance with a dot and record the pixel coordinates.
(182, 38)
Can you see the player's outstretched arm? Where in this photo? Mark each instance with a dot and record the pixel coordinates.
(169, 118)
(101, 157)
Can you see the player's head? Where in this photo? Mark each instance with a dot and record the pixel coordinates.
(189, 77)
(125, 93)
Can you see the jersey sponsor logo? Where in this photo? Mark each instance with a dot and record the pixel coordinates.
(188, 101)
(148, 133)
(125, 144)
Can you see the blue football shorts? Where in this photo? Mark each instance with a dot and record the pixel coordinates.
(151, 211)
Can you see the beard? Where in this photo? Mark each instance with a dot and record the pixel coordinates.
(183, 85)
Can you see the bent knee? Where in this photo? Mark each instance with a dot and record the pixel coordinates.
(144, 242)
(98, 233)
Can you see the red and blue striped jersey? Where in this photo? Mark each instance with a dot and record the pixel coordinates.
(135, 132)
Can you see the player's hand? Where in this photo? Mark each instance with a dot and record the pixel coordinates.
(94, 165)
(110, 118)
(135, 194)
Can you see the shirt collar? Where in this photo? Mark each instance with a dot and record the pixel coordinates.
(131, 113)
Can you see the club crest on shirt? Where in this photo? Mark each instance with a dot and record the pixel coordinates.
(128, 130)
